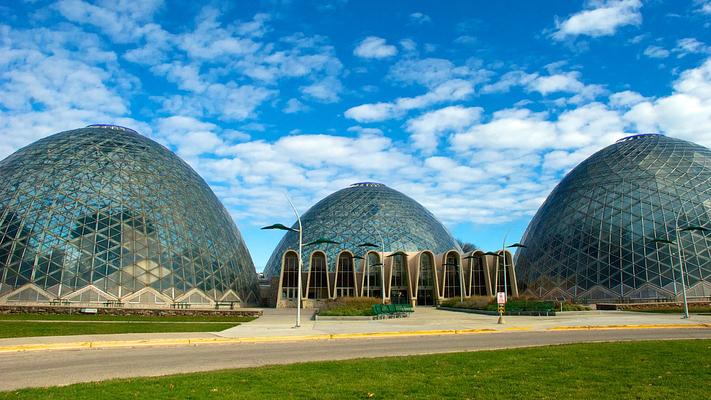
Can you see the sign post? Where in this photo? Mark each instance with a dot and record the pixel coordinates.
(501, 300)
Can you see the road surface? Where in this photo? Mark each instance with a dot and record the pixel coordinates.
(62, 367)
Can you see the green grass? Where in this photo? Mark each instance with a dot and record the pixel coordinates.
(13, 329)
(24, 325)
(637, 370)
(147, 318)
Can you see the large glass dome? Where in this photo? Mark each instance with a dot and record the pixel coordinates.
(592, 238)
(105, 214)
(362, 213)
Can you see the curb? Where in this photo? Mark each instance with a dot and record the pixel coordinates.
(335, 336)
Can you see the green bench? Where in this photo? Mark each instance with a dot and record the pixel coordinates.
(391, 310)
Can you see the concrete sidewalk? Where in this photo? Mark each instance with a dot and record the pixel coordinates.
(281, 323)
(278, 325)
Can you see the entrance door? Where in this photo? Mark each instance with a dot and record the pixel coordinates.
(399, 283)
(425, 284)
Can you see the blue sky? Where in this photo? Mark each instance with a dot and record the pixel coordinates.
(474, 108)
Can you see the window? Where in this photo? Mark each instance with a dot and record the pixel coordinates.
(344, 280)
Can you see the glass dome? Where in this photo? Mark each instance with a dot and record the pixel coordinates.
(105, 214)
(362, 213)
(592, 237)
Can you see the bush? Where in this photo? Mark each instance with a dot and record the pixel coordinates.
(473, 303)
(348, 306)
(568, 306)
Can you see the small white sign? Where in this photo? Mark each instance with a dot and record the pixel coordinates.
(501, 297)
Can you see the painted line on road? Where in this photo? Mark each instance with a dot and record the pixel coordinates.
(335, 336)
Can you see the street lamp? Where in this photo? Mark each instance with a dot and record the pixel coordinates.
(300, 231)
(382, 259)
(367, 266)
(516, 246)
(679, 250)
(681, 268)
(353, 258)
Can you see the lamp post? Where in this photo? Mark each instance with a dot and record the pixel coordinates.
(382, 259)
(300, 231)
(353, 258)
(683, 285)
(679, 250)
(516, 246)
(367, 266)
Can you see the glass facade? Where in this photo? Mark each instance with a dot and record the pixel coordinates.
(591, 238)
(361, 213)
(107, 209)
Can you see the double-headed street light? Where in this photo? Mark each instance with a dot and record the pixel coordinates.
(367, 265)
(300, 231)
(679, 250)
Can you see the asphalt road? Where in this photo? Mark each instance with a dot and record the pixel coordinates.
(50, 368)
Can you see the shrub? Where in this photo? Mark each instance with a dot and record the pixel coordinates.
(474, 302)
(348, 306)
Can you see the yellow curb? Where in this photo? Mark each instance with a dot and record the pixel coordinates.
(612, 327)
(196, 341)
(335, 336)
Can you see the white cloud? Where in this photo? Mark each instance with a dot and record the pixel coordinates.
(426, 129)
(686, 113)
(374, 47)
(688, 46)
(601, 18)
(704, 6)
(419, 18)
(564, 82)
(626, 98)
(588, 125)
(326, 90)
(371, 112)
(188, 135)
(656, 52)
(452, 90)
(431, 72)
(294, 106)
(122, 20)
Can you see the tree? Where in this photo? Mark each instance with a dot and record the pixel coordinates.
(466, 246)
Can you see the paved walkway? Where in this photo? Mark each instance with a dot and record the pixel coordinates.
(281, 322)
(278, 325)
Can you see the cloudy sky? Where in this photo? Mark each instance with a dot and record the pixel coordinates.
(474, 108)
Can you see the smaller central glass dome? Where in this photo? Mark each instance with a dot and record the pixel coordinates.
(363, 212)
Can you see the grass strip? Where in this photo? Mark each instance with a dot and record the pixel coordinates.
(632, 370)
(147, 318)
(16, 329)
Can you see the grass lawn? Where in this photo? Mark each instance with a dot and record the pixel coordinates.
(24, 325)
(147, 318)
(640, 370)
